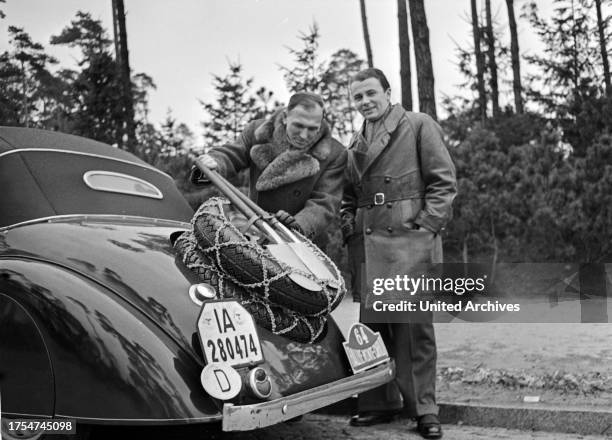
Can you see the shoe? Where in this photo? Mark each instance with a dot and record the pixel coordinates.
(369, 418)
(429, 427)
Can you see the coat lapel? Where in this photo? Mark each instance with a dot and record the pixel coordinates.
(359, 149)
(382, 137)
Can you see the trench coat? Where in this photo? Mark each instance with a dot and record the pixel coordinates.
(403, 180)
(398, 196)
(306, 183)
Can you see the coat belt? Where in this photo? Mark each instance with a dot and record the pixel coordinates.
(380, 198)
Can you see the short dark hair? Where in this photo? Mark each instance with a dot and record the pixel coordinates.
(308, 100)
(372, 73)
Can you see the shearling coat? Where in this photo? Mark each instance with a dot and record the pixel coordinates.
(305, 183)
(408, 162)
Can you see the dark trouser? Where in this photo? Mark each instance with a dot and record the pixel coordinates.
(413, 346)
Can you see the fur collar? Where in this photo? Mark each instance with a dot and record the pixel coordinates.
(281, 162)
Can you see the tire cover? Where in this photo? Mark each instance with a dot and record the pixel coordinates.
(249, 264)
(277, 319)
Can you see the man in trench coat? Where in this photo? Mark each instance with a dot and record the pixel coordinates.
(295, 166)
(400, 187)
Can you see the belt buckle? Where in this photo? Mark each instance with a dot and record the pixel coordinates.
(379, 198)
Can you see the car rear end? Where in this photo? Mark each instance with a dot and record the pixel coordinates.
(87, 261)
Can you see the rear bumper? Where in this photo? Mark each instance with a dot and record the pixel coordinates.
(247, 417)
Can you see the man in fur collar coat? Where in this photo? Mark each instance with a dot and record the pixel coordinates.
(400, 187)
(296, 167)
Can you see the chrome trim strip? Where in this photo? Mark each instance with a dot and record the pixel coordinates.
(9, 415)
(96, 217)
(259, 415)
(79, 153)
(86, 178)
(212, 418)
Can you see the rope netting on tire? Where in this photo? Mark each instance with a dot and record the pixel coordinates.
(220, 254)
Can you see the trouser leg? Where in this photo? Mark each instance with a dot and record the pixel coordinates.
(385, 397)
(414, 347)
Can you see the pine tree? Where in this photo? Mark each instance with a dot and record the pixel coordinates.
(97, 107)
(492, 64)
(404, 50)
(516, 60)
(330, 79)
(123, 64)
(566, 83)
(142, 84)
(480, 65)
(10, 86)
(366, 33)
(601, 30)
(86, 34)
(569, 63)
(342, 116)
(422, 53)
(306, 72)
(29, 89)
(235, 105)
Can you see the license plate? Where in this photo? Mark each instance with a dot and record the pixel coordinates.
(364, 348)
(228, 334)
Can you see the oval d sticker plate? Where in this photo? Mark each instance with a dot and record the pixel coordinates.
(221, 381)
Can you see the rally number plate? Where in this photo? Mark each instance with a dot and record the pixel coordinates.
(365, 349)
(228, 334)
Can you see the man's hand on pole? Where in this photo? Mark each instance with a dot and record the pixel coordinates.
(196, 175)
(288, 220)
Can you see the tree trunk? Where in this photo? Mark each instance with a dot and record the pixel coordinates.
(422, 53)
(366, 33)
(516, 61)
(492, 62)
(24, 99)
(482, 97)
(575, 73)
(603, 48)
(404, 46)
(122, 55)
(116, 32)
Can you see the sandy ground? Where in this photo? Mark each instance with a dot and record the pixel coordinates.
(567, 365)
(325, 427)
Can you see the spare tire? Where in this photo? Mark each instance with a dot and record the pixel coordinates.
(274, 318)
(254, 267)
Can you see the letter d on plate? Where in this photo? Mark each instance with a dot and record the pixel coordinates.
(221, 381)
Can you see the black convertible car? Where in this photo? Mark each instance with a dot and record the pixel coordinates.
(101, 322)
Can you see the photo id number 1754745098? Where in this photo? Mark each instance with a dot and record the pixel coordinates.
(48, 426)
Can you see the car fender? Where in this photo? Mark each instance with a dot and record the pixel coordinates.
(108, 360)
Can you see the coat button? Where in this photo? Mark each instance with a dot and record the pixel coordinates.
(390, 229)
(389, 205)
(368, 231)
(387, 179)
(297, 193)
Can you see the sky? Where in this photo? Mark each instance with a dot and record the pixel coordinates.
(182, 43)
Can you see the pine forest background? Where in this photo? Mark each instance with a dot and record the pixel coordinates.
(533, 150)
